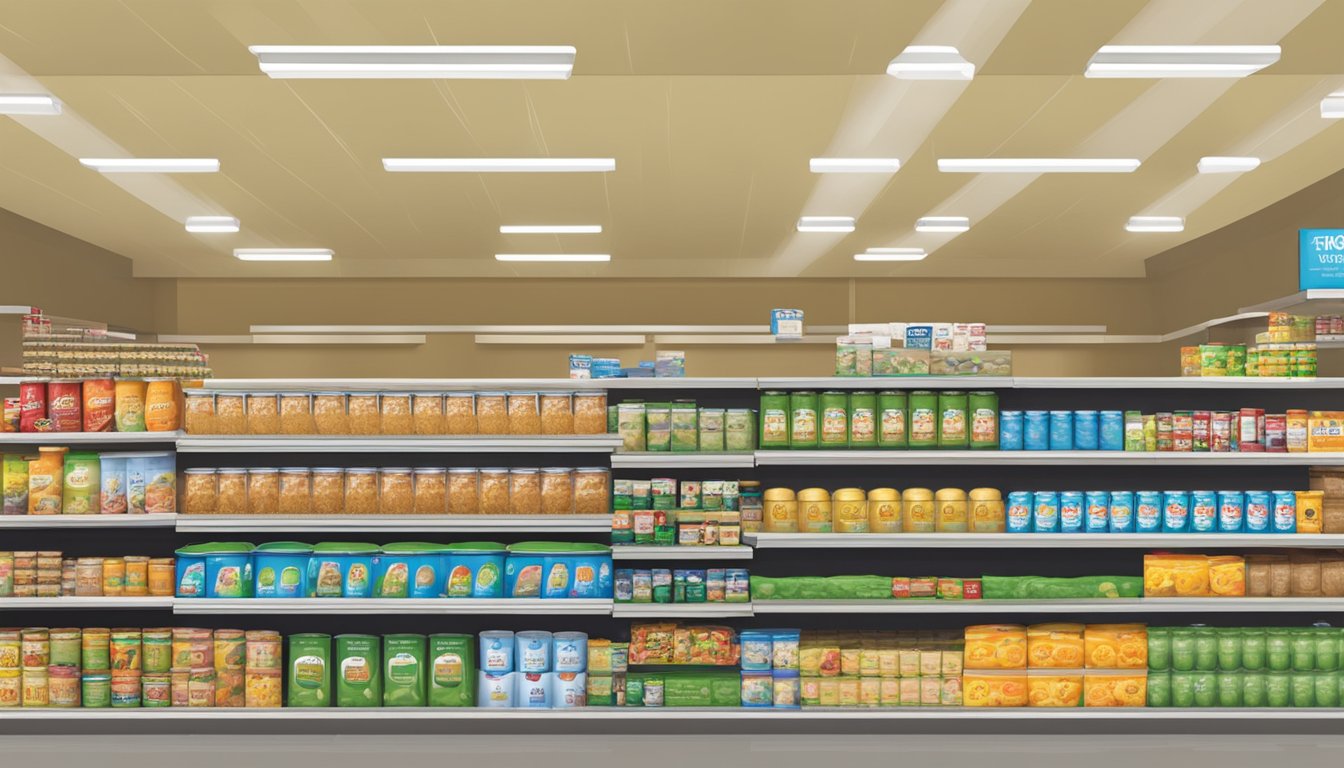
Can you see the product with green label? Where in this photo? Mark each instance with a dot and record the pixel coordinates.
(774, 419)
(739, 430)
(359, 671)
(631, 425)
(923, 419)
(452, 671)
(893, 415)
(863, 420)
(984, 418)
(833, 408)
(685, 427)
(658, 418)
(309, 670)
(803, 420)
(711, 429)
(404, 670)
(953, 429)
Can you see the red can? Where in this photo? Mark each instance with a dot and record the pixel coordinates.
(32, 405)
(1201, 425)
(99, 405)
(970, 589)
(1251, 430)
(63, 405)
(1276, 433)
(900, 587)
(1220, 433)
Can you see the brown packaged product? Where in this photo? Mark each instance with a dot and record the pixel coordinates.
(329, 416)
(1332, 575)
(427, 413)
(492, 415)
(459, 413)
(328, 491)
(1332, 516)
(557, 413)
(1329, 480)
(395, 410)
(296, 414)
(431, 490)
(494, 491)
(263, 491)
(463, 491)
(362, 413)
(230, 414)
(296, 490)
(361, 491)
(524, 413)
(1280, 576)
(525, 491)
(231, 492)
(590, 413)
(200, 413)
(557, 491)
(263, 414)
(1306, 575)
(592, 491)
(198, 492)
(1257, 576)
(396, 491)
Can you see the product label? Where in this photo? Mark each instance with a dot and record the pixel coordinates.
(923, 427)
(804, 425)
(954, 424)
(834, 425)
(984, 425)
(309, 671)
(893, 424)
(774, 426)
(862, 426)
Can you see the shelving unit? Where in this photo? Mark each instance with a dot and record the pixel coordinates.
(677, 554)
(388, 606)
(1155, 605)
(398, 444)
(157, 520)
(1039, 540)
(85, 603)
(688, 611)
(531, 524)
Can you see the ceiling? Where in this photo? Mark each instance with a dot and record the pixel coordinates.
(711, 109)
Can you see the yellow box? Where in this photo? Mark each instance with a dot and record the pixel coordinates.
(849, 660)
(849, 691)
(1055, 646)
(910, 691)
(909, 662)
(828, 692)
(1116, 646)
(951, 695)
(890, 691)
(952, 662)
(889, 662)
(1325, 431)
(870, 691)
(809, 691)
(1227, 575)
(1176, 576)
(930, 691)
(1048, 688)
(1123, 689)
(996, 646)
(986, 689)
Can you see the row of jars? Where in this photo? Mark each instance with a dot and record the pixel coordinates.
(883, 510)
(395, 413)
(397, 491)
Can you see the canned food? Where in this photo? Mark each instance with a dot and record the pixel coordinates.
(1203, 511)
(1121, 512)
(1175, 511)
(1231, 511)
(1259, 511)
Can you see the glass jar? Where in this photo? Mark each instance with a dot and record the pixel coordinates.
(395, 410)
(524, 413)
(362, 413)
(199, 495)
(590, 413)
(263, 491)
(361, 491)
(557, 413)
(231, 492)
(431, 490)
(492, 414)
(592, 491)
(329, 413)
(296, 490)
(459, 413)
(396, 491)
(427, 413)
(230, 414)
(525, 491)
(463, 491)
(328, 491)
(557, 491)
(263, 414)
(296, 414)
(494, 493)
(199, 418)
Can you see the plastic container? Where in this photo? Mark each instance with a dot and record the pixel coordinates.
(341, 569)
(1019, 512)
(532, 651)
(814, 511)
(986, 511)
(1045, 512)
(863, 419)
(217, 569)
(410, 569)
(918, 511)
(1148, 511)
(567, 570)
(569, 652)
(833, 412)
(893, 425)
(1120, 513)
(1175, 511)
(804, 424)
(476, 569)
(924, 420)
(779, 512)
(849, 508)
(1071, 510)
(953, 424)
(952, 513)
(884, 510)
(983, 416)
(497, 647)
(774, 419)
(281, 569)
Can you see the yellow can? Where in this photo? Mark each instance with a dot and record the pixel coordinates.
(918, 510)
(884, 510)
(814, 510)
(162, 577)
(849, 507)
(952, 513)
(114, 576)
(987, 514)
(780, 513)
(136, 583)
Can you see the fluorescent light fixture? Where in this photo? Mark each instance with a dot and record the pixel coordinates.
(891, 254)
(151, 164)
(551, 229)
(930, 62)
(1037, 165)
(475, 62)
(499, 164)
(1147, 61)
(1332, 106)
(283, 254)
(552, 257)
(943, 224)
(826, 224)
(854, 165)
(29, 104)
(212, 224)
(1227, 164)
(1155, 224)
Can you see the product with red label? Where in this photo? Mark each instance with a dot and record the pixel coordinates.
(99, 405)
(33, 407)
(64, 405)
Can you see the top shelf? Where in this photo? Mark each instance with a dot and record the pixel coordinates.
(452, 385)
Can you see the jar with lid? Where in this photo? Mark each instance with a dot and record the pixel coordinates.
(427, 413)
(362, 413)
(463, 491)
(592, 491)
(494, 491)
(557, 413)
(137, 576)
(296, 491)
(525, 491)
(198, 496)
(296, 414)
(986, 511)
(557, 491)
(751, 506)
(492, 413)
(199, 418)
(814, 511)
(780, 511)
(230, 414)
(263, 491)
(231, 491)
(395, 413)
(431, 490)
(590, 413)
(328, 490)
(884, 510)
(951, 507)
(849, 509)
(361, 491)
(524, 413)
(459, 413)
(329, 417)
(917, 510)
(396, 491)
(263, 413)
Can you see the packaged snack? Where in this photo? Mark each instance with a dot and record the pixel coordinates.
(993, 689)
(1166, 575)
(1116, 646)
(1055, 646)
(992, 646)
(1115, 689)
(1047, 688)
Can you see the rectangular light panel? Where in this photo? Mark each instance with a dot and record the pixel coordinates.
(151, 164)
(553, 257)
(1152, 61)
(1037, 165)
(29, 104)
(943, 224)
(891, 254)
(1332, 106)
(930, 62)
(283, 254)
(550, 229)
(854, 165)
(474, 62)
(1227, 164)
(1155, 224)
(499, 164)
(211, 224)
(826, 224)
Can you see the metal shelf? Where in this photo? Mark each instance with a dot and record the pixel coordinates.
(641, 552)
(88, 438)
(544, 524)
(451, 385)
(681, 610)
(1037, 540)
(660, 460)
(399, 444)
(88, 521)
(84, 603)
(1177, 382)
(886, 382)
(843, 457)
(1152, 605)
(367, 606)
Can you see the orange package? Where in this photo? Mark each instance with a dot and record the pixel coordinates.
(996, 646)
(1054, 689)
(1115, 689)
(1055, 646)
(990, 689)
(1116, 646)
(1227, 576)
(1167, 575)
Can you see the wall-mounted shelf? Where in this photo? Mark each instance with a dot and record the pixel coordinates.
(661, 460)
(136, 439)
(85, 603)
(639, 552)
(1039, 540)
(690, 611)
(398, 444)
(88, 521)
(540, 524)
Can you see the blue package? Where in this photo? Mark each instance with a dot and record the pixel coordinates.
(1070, 511)
(1175, 511)
(1231, 511)
(1097, 511)
(1061, 430)
(569, 652)
(1122, 512)
(1285, 512)
(786, 323)
(1259, 511)
(1019, 512)
(757, 649)
(1112, 431)
(1036, 432)
(532, 650)
(534, 690)
(1045, 512)
(1203, 511)
(1085, 431)
(1148, 511)
(1010, 430)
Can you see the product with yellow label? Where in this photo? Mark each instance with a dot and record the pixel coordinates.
(1227, 576)
(918, 510)
(814, 510)
(850, 511)
(1166, 575)
(986, 511)
(1115, 689)
(991, 689)
(1055, 646)
(1051, 688)
(951, 515)
(1325, 431)
(1116, 646)
(884, 510)
(1309, 511)
(996, 646)
(780, 511)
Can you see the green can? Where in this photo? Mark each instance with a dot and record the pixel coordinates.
(1206, 688)
(1159, 648)
(65, 647)
(613, 419)
(774, 419)
(893, 420)
(1253, 693)
(359, 671)
(685, 427)
(309, 670)
(1304, 649)
(1278, 651)
(1229, 649)
(1327, 648)
(1304, 689)
(1253, 649)
(96, 690)
(803, 420)
(452, 671)
(1229, 689)
(834, 412)
(162, 682)
(1278, 691)
(923, 419)
(157, 650)
(1183, 689)
(634, 691)
(863, 420)
(1327, 689)
(404, 672)
(1159, 689)
(953, 425)
(1182, 649)
(984, 420)
(1206, 649)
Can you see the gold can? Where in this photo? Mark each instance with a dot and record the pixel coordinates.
(918, 510)
(987, 513)
(814, 511)
(849, 508)
(780, 513)
(884, 510)
(952, 516)
(114, 576)
(161, 577)
(136, 582)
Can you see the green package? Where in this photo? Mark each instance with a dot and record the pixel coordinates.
(774, 419)
(1205, 685)
(658, 417)
(1253, 689)
(863, 419)
(80, 491)
(1303, 686)
(613, 419)
(309, 670)
(1253, 649)
(15, 482)
(821, 587)
(711, 429)
(1057, 588)
(404, 670)
(685, 428)
(359, 671)
(1206, 649)
(1278, 650)
(1229, 649)
(1159, 689)
(1159, 648)
(1278, 690)
(600, 693)
(701, 689)
(452, 671)
(1182, 689)
(1304, 649)
(634, 690)
(1229, 689)
(631, 427)
(739, 430)
(1327, 689)
(1327, 648)
(833, 410)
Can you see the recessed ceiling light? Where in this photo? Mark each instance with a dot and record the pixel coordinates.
(212, 224)
(891, 254)
(283, 254)
(1155, 224)
(854, 165)
(550, 229)
(826, 224)
(1332, 106)
(1227, 164)
(943, 224)
(29, 104)
(151, 164)
(552, 257)
(1037, 165)
(514, 62)
(930, 62)
(499, 164)
(1146, 61)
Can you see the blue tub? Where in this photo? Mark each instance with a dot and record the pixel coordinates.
(217, 569)
(410, 569)
(475, 569)
(566, 570)
(522, 575)
(282, 569)
(341, 569)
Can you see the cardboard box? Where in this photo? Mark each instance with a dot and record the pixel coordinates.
(992, 363)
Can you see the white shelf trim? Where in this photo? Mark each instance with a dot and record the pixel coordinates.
(671, 460)
(1038, 458)
(85, 603)
(88, 521)
(1036, 540)
(544, 524)
(681, 610)
(384, 606)
(675, 553)
(1146, 606)
(404, 444)
(88, 438)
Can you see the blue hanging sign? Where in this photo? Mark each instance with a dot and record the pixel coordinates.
(1320, 254)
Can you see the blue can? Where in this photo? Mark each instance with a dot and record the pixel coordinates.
(1112, 431)
(1019, 512)
(1036, 433)
(1203, 511)
(1061, 430)
(1259, 511)
(1231, 511)
(1010, 430)
(1086, 436)
(1148, 511)
(1175, 511)
(623, 587)
(1122, 512)
(1285, 512)
(1045, 512)
(1070, 511)
(1098, 511)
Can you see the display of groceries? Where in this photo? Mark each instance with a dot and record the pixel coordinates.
(63, 482)
(919, 349)
(47, 573)
(691, 585)
(66, 348)
(1286, 348)
(1202, 666)
(681, 427)
(1056, 665)
(665, 511)
(95, 405)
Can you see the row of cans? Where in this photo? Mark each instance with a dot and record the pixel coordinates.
(1062, 430)
(1152, 512)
